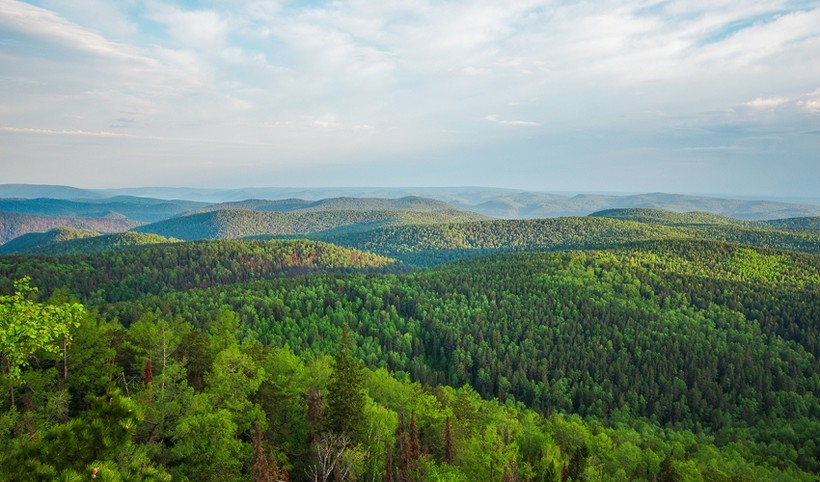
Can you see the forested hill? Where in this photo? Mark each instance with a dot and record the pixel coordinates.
(31, 241)
(696, 335)
(670, 218)
(689, 359)
(234, 224)
(433, 244)
(87, 244)
(13, 225)
(133, 208)
(131, 273)
(809, 225)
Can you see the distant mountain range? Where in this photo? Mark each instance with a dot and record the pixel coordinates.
(342, 214)
(494, 202)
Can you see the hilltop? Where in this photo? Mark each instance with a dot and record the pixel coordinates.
(234, 224)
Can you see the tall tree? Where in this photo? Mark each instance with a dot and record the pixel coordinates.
(345, 397)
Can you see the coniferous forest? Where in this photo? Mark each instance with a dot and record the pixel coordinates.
(637, 345)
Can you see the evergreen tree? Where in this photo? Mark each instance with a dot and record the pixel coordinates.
(345, 397)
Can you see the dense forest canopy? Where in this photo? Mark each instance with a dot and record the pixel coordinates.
(631, 345)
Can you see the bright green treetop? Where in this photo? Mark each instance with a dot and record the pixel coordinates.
(27, 326)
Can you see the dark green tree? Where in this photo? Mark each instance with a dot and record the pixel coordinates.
(345, 394)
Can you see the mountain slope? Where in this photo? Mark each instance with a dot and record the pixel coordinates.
(669, 218)
(133, 273)
(98, 243)
(32, 241)
(810, 225)
(138, 209)
(13, 225)
(434, 244)
(233, 224)
(698, 335)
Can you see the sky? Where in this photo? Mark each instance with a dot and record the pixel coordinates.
(694, 96)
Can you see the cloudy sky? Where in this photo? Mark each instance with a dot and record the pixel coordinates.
(718, 96)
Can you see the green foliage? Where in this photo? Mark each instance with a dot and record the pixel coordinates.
(99, 439)
(426, 245)
(98, 244)
(685, 333)
(129, 274)
(659, 358)
(27, 326)
(206, 446)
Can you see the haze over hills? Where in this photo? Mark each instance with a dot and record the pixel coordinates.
(135, 208)
(407, 203)
(494, 202)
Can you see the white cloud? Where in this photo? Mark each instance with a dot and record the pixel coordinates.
(810, 102)
(408, 77)
(45, 24)
(768, 103)
(514, 123)
(202, 29)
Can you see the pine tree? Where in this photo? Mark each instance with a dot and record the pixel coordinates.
(345, 397)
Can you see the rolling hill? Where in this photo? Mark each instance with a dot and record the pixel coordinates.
(694, 335)
(434, 244)
(512, 203)
(134, 208)
(644, 319)
(33, 241)
(809, 225)
(234, 224)
(13, 225)
(93, 244)
(670, 218)
(111, 275)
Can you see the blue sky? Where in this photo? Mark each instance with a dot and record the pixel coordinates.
(631, 96)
